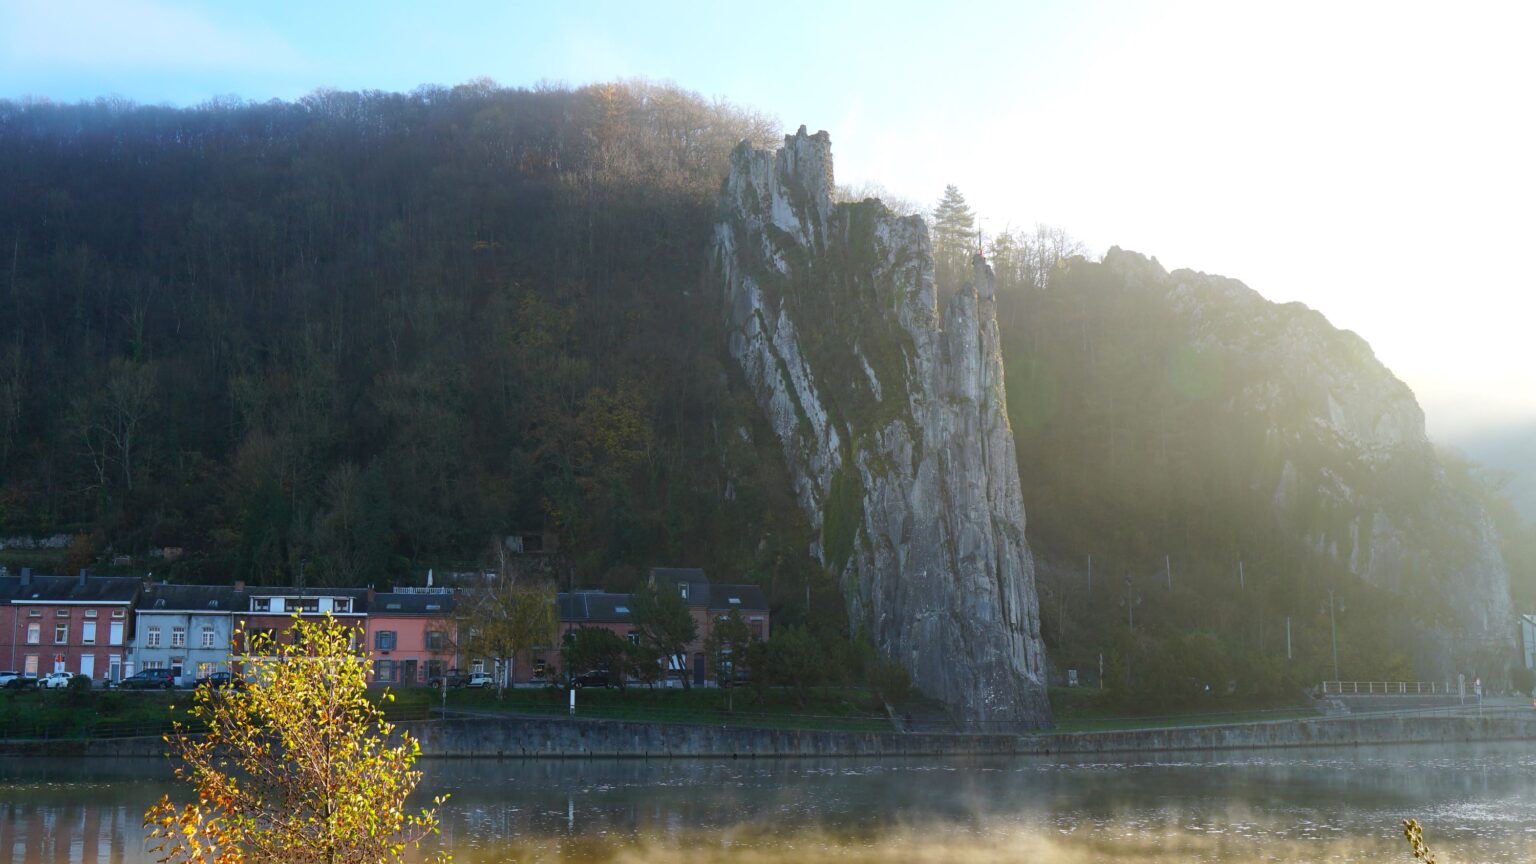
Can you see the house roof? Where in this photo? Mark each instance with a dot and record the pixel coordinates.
(724, 597)
(437, 603)
(673, 575)
(193, 598)
(69, 589)
(594, 606)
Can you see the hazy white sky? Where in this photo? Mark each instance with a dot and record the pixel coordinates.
(1372, 160)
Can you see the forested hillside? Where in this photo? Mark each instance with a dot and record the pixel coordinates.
(370, 331)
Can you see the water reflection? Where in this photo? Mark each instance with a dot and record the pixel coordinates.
(1477, 802)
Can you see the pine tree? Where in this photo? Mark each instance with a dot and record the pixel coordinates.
(954, 238)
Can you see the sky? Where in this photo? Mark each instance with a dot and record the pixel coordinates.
(1376, 161)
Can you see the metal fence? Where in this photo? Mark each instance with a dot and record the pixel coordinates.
(1391, 688)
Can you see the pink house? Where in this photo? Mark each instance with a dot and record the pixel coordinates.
(410, 636)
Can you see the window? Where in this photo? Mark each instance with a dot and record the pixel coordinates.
(152, 638)
(306, 605)
(60, 634)
(633, 636)
(34, 613)
(178, 637)
(682, 588)
(34, 634)
(622, 610)
(384, 640)
(31, 666)
(154, 664)
(341, 604)
(384, 671)
(437, 640)
(477, 667)
(61, 613)
(88, 633)
(540, 667)
(261, 604)
(90, 613)
(435, 668)
(117, 613)
(207, 636)
(115, 635)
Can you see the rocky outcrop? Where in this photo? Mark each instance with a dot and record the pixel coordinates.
(1346, 461)
(891, 417)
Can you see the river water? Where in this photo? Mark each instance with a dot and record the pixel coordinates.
(1477, 803)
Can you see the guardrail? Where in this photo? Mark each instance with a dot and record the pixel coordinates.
(1391, 688)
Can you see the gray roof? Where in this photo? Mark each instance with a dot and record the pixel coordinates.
(192, 598)
(674, 575)
(594, 606)
(412, 604)
(746, 597)
(68, 589)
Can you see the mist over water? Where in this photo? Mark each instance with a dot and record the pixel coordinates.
(1477, 802)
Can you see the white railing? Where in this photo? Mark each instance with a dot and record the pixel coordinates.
(1391, 688)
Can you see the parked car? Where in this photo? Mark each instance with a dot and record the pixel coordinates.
(479, 679)
(17, 681)
(149, 679)
(220, 680)
(56, 680)
(594, 678)
(453, 678)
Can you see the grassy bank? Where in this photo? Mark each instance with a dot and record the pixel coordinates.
(1084, 709)
(823, 708)
(53, 714)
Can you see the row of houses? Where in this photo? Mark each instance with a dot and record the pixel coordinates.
(109, 627)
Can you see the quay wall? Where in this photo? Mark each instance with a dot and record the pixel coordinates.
(521, 738)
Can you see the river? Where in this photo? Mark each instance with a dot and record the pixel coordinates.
(1477, 802)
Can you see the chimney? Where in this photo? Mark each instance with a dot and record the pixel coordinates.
(26, 576)
(149, 586)
(82, 577)
(239, 586)
(370, 596)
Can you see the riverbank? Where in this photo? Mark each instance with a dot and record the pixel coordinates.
(550, 738)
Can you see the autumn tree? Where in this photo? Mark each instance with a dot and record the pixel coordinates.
(665, 626)
(297, 767)
(504, 619)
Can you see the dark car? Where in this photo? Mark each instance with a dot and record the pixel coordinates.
(453, 678)
(220, 680)
(595, 678)
(149, 679)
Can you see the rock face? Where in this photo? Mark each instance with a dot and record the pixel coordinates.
(891, 415)
(1348, 462)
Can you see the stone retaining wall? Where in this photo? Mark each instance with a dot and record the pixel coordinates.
(516, 738)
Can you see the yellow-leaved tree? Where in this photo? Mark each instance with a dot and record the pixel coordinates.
(297, 766)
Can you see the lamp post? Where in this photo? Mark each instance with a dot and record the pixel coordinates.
(1334, 632)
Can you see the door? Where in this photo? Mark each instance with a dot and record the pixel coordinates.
(408, 672)
(88, 665)
(115, 668)
(698, 670)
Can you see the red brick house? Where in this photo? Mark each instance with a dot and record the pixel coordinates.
(80, 624)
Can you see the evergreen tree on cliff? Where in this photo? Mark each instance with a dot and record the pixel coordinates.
(954, 237)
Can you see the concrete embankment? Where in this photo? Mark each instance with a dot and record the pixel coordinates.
(517, 738)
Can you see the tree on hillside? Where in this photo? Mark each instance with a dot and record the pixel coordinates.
(504, 619)
(665, 626)
(297, 767)
(954, 238)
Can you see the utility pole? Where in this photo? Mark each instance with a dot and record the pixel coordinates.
(1241, 583)
(1287, 637)
(1168, 569)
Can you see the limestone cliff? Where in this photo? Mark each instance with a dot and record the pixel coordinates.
(1344, 459)
(891, 415)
